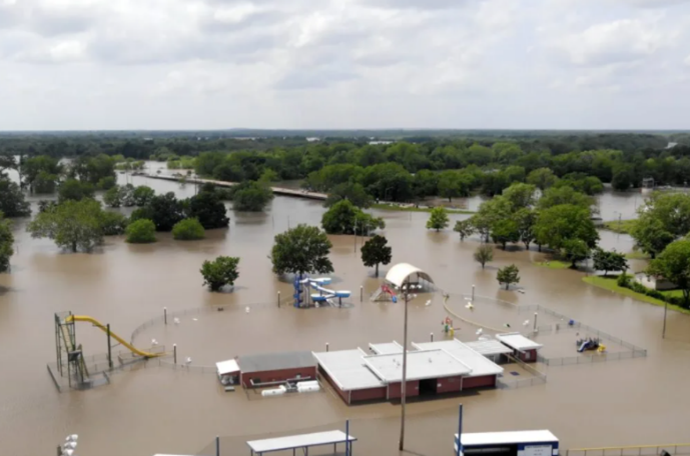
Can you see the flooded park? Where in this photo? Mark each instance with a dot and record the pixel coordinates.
(155, 408)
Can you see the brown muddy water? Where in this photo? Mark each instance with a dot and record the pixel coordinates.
(157, 409)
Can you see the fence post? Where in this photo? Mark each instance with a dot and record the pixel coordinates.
(217, 446)
(326, 346)
(279, 299)
(431, 335)
(165, 315)
(535, 321)
(175, 354)
(361, 293)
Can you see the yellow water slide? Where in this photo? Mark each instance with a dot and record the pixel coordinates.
(97, 323)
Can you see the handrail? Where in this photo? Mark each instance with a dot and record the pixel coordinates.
(622, 449)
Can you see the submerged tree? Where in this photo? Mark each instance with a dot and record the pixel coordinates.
(6, 244)
(376, 251)
(438, 219)
(303, 249)
(464, 228)
(72, 225)
(12, 202)
(484, 254)
(508, 275)
(220, 272)
(346, 218)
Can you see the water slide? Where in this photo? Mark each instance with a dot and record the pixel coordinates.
(103, 328)
(584, 346)
(328, 294)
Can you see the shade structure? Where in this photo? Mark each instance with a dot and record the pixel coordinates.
(398, 274)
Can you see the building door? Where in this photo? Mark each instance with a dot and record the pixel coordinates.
(428, 386)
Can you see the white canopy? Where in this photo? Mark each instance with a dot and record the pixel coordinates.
(227, 367)
(401, 271)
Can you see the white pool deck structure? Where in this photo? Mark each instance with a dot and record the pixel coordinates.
(303, 442)
(348, 370)
(489, 347)
(387, 348)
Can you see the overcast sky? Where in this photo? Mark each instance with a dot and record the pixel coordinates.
(178, 64)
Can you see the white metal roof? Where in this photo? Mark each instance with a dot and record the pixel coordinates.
(227, 367)
(420, 365)
(518, 342)
(299, 441)
(489, 438)
(387, 348)
(348, 370)
(488, 347)
(478, 364)
(401, 271)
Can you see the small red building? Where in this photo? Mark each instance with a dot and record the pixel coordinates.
(523, 348)
(266, 369)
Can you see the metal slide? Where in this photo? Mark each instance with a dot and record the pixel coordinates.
(103, 328)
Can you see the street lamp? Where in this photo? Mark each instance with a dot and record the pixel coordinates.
(399, 275)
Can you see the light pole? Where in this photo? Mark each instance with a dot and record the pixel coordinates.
(403, 385)
(663, 334)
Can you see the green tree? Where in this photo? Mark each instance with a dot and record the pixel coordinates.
(565, 222)
(113, 198)
(425, 183)
(376, 251)
(505, 231)
(93, 169)
(113, 223)
(6, 243)
(508, 275)
(74, 190)
(12, 202)
(220, 272)
(609, 261)
(188, 230)
(438, 219)
(542, 178)
(673, 264)
(163, 210)
(449, 185)
(142, 195)
(142, 231)
(209, 209)
(45, 183)
(71, 224)
(41, 173)
(623, 177)
(650, 235)
(251, 197)
(106, 183)
(520, 195)
(575, 250)
(345, 218)
(464, 228)
(484, 254)
(525, 220)
(300, 250)
(269, 176)
(672, 209)
(490, 212)
(353, 192)
(557, 196)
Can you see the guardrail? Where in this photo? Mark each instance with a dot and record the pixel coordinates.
(641, 450)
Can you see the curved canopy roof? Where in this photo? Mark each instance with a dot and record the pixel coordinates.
(401, 271)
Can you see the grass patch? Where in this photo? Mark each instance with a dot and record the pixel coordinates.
(610, 283)
(638, 255)
(620, 226)
(395, 207)
(553, 264)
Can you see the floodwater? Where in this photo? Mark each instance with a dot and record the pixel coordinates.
(158, 409)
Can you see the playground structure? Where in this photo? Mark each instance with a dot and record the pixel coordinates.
(70, 354)
(448, 329)
(384, 293)
(305, 298)
(590, 343)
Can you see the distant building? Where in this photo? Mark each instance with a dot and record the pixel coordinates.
(313, 139)
(648, 182)
(654, 283)
(380, 143)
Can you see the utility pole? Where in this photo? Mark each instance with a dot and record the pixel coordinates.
(403, 386)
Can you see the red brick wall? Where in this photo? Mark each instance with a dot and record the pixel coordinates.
(277, 375)
(478, 382)
(412, 389)
(447, 385)
(370, 394)
(341, 393)
(528, 356)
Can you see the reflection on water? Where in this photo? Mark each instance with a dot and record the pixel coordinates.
(160, 410)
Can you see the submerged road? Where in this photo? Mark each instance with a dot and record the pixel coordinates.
(276, 190)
